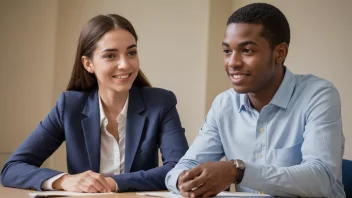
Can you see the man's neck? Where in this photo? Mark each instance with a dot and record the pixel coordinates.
(263, 97)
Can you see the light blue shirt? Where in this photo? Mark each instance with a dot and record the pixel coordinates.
(293, 147)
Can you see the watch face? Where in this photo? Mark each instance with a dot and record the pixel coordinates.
(241, 164)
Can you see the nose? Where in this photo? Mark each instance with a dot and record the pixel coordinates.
(235, 60)
(123, 63)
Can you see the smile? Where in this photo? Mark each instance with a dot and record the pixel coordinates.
(122, 76)
(239, 76)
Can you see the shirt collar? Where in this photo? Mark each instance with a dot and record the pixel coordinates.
(122, 114)
(282, 96)
(244, 103)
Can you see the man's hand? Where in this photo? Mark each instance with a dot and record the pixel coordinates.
(207, 179)
(181, 180)
(88, 181)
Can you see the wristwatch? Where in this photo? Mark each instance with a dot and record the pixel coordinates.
(241, 167)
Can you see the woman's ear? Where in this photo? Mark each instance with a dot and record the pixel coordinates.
(281, 51)
(87, 64)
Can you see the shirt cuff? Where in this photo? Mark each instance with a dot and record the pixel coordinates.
(117, 187)
(171, 180)
(254, 177)
(48, 184)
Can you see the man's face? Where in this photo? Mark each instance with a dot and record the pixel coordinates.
(249, 60)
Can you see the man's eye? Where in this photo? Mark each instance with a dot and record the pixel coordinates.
(226, 51)
(247, 51)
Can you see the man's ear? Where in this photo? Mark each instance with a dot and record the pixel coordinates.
(281, 51)
(87, 64)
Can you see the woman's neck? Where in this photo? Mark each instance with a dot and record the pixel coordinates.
(112, 102)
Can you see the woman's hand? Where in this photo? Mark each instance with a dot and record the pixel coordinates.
(89, 182)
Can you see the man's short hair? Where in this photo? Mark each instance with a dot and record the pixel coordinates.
(275, 25)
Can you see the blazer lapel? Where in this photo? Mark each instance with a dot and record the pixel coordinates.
(134, 126)
(91, 130)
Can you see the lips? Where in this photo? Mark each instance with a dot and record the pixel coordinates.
(238, 78)
(122, 76)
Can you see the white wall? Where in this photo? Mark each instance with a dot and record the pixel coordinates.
(320, 44)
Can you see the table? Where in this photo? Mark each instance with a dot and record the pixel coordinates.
(20, 193)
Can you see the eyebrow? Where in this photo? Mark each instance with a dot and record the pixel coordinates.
(115, 50)
(225, 44)
(131, 46)
(244, 43)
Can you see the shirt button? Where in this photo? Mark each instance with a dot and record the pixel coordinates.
(261, 130)
(259, 155)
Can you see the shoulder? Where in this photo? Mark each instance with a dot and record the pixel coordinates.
(317, 96)
(157, 96)
(311, 82)
(228, 99)
(311, 86)
(72, 99)
(74, 96)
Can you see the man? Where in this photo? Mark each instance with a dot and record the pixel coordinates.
(280, 133)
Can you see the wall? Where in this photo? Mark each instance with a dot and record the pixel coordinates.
(27, 50)
(217, 80)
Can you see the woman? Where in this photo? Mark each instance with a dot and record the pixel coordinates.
(113, 122)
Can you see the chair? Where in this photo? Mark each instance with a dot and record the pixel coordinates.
(347, 176)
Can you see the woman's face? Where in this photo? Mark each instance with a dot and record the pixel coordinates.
(115, 61)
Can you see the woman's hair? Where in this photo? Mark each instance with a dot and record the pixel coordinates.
(81, 79)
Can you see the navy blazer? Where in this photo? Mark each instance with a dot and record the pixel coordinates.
(152, 123)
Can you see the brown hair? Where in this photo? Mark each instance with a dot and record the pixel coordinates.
(81, 79)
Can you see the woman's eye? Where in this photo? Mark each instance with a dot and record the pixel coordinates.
(133, 53)
(109, 56)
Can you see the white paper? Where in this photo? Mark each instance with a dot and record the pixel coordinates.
(63, 193)
(222, 194)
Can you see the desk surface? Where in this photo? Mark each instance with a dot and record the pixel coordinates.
(19, 193)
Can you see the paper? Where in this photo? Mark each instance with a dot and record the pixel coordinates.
(222, 194)
(63, 194)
